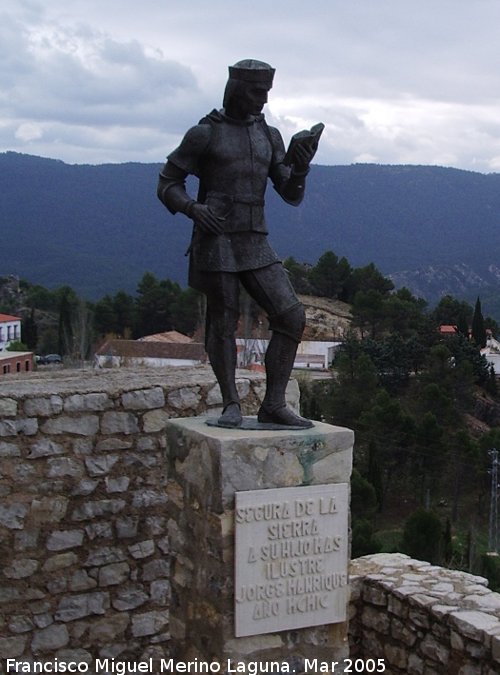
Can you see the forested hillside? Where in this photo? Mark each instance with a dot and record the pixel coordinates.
(99, 228)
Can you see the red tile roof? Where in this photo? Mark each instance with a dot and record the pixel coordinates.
(8, 317)
(448, 329)
(169, 336)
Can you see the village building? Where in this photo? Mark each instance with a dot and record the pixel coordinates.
(15, 362)
(311, 354)
(492, 353)
(116, 353)
(10, 330)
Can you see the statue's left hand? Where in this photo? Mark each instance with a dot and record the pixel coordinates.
(302, 157)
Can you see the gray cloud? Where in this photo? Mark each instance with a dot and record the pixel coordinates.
(395, 82)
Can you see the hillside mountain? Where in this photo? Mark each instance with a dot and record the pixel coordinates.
(99, 228)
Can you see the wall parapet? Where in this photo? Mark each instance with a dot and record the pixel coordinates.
(84, 558)
(421, 618)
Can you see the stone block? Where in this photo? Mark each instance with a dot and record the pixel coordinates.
(102, 507)
(108, 630)
(43, 406)
(114, 574)
(49, 639)
(129, 599)
(105, 555)
(100, 465)
(76, 425)
(61, 540)
(8, 407)
(93, 402)
(155, 421)
(143, 399)
(149, 623)
(21, 568)
(119, 423)
(473, 623)
(59, 562)
(142, 549)
(58, 467)
(45, 448)
(9, 450)
(48, 509)
(12, 516)
(15, 427)
(76, 607)
(185, 398)
(117, 484)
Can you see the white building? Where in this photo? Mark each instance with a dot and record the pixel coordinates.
(311, 354)
(492, 354)
(10, 330)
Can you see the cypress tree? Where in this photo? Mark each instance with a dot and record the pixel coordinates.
(478, 329)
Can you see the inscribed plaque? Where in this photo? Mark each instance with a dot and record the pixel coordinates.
(291, 551)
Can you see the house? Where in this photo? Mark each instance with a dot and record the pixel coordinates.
(311, 354)
(492, 353)
(10, 330)
(15, 362)
(116, 353)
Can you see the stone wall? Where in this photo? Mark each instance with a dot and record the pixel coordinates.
(422, 619)
(83, 534)
(83, 539)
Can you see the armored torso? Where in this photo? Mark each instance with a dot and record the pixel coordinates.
(233, 161)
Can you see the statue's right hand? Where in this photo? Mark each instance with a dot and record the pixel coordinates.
(206, 220)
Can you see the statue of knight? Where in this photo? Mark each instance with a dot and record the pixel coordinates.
(233, 152)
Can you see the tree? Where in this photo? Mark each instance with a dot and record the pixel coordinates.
(124, 312)
(452, 312)
(154, 304)
(422, 536)
(105, 320)
(388, 427)
(16, 346)
(429, 454)
(29, 330)
(478, 330)
(365, 279)
(299, 275)
(354, 387)
(329, 276)
(368, 312)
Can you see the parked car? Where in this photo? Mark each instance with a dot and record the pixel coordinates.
(49, 358)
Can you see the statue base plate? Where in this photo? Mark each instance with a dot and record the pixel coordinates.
(252, 424)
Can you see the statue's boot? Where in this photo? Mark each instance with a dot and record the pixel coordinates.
(280, 356)
(222, 356)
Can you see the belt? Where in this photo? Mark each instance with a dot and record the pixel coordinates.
(250, 200)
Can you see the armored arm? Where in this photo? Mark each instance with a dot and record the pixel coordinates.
(172, 181)
(289, 182)
(172, 189)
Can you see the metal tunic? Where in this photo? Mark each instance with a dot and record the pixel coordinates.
(233, 168)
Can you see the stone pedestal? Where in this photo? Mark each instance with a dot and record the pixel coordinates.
(304, 529)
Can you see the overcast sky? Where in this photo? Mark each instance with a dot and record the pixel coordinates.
(395, 81)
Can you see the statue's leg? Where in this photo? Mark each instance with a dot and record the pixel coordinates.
(280, 357)
(222, 291)
(271, 289)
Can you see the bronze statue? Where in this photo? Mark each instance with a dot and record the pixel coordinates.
(233, 152)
